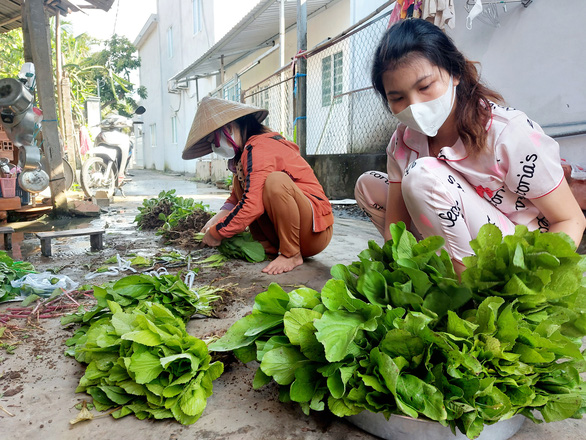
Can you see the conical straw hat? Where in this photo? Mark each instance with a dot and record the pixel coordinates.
(214, 113)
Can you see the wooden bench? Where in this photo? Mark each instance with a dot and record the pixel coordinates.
(96, 238)
(7, 231)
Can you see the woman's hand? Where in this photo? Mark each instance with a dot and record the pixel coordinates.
(215, 219)
(210, 240)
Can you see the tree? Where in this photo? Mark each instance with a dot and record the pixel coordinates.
(115, 88)
(11, 53)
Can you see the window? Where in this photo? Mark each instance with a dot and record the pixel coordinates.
(197, 15)
(170, 42)
(153, 135)
(174, 129)
(232, 90)
(331, 78)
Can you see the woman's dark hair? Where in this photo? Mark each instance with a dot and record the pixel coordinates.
(249, 126)
(420, 37)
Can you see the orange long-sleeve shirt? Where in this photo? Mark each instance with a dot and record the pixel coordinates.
(263, 155)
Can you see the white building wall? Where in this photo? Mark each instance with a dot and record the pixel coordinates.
(535, 60)
(157, 67)
(151, 156)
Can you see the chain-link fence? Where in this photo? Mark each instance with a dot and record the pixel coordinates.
(276, 95)
(344, 113)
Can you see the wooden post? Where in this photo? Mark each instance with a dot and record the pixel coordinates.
(301, 79)
(26, 38)
(41, 50)
(59, 71)
(71, 141)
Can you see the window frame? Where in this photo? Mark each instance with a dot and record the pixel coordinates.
(170, 41)
(332, 78)
(197, 16)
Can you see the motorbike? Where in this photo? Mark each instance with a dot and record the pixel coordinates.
(105, 169)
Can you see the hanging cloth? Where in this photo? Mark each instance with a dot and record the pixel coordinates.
(405, 12)
(404, 9)
(84, 140)
(439, 12)
(396, 14)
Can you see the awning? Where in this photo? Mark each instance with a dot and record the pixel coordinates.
(10, 10)
(257, 30)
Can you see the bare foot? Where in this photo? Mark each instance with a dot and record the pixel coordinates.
(283, 264)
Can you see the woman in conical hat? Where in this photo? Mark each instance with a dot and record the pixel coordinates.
(274, 193)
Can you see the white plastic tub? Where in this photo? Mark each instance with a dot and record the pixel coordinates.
(407, 428)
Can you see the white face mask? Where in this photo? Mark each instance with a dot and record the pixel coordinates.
(428, 117)
(223, 144)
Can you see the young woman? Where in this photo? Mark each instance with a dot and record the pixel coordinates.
(274, 193)
(458, 159)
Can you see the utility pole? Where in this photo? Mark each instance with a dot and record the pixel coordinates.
(301, 78)
(41, 51)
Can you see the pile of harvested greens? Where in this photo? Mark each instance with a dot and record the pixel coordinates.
(139, 357)
(175, 218)
(180, 221)
(396, 333)
(144, 362)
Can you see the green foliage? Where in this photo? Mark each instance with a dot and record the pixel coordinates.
(11, 53)
(133, 290)
(11, 270)
(242, 246)
(118, 60)
(397, 333)
(165, 211)
(143, 362)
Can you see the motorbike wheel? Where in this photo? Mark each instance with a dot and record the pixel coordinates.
(93, 177)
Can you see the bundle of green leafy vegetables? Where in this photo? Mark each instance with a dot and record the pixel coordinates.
(11, 270)
(396, 332)
(242, 246)
(167, 211)
(143, 361)
(132, 290)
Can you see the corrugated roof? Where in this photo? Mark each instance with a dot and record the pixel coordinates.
(258, 29)
(10, 10)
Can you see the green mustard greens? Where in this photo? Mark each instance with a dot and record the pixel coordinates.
(397, 333)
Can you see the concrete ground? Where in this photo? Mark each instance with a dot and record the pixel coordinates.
(37, 382)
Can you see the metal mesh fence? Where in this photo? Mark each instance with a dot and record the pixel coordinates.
(276, 95)
(344, 113)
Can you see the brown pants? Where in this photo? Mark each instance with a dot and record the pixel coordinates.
(287, 224)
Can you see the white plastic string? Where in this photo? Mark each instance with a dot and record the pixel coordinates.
(189, 279)
(158, 272)
(123, 265)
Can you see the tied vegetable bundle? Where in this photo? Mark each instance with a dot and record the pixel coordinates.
(397, 333)
(144, 362)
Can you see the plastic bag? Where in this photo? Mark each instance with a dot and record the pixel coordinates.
(43, 284)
